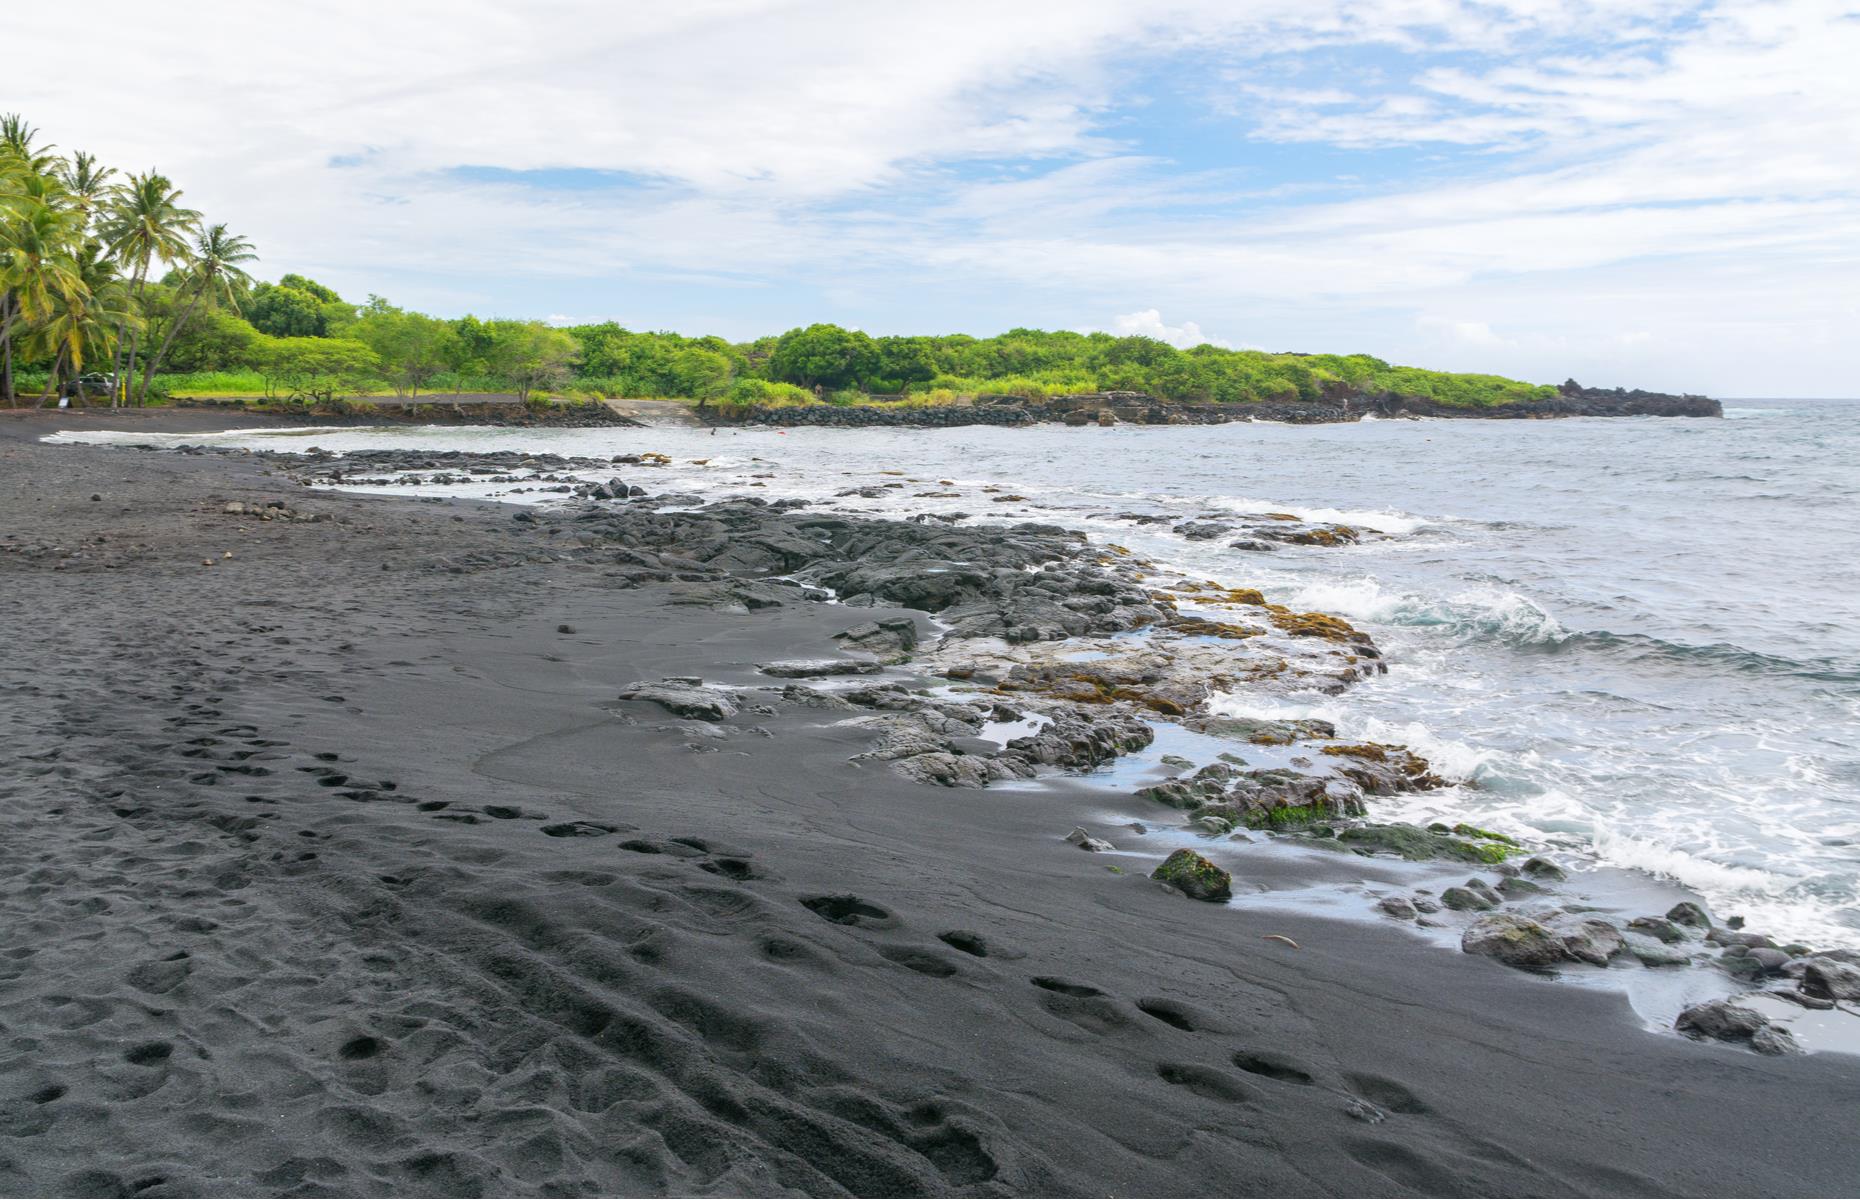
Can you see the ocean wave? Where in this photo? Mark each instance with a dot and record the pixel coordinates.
(1724, 656)
(1381, 521)
(1496, 613)
(1453, 759)
(1510, 618)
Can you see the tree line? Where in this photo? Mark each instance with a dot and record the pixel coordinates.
(110, 285)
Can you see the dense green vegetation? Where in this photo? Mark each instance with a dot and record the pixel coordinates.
(106, 280)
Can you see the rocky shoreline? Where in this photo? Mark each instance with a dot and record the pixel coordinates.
(1136, 408)
(655, 842)
(1082, 649)
(440, 410)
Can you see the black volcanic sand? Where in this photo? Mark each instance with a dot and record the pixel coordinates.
(336, 868)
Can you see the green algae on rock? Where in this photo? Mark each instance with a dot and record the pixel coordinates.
(1421, 845)
(1195, 877)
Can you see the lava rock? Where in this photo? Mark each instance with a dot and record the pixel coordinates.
(1587, 939)
(1725, 1021)
(683, 698)
(1651, 952)
(1657, 927)
(1195, 877)
(1513, 940)
(1539, 867)
(1828, 979)
(1463, 899)
(818, 668)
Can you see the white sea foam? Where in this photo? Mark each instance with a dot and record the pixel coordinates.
(1380, 520)
(1493, 612)
(1692, 870)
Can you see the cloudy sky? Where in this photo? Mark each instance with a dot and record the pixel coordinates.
(1656, 194)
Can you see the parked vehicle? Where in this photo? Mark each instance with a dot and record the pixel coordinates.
(96, 383)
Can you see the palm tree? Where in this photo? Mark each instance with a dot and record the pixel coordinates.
(81, 321)
(24, 184)
(146, 222)
(87, 185)
(16, 142)
(37, 270)
(217, 271)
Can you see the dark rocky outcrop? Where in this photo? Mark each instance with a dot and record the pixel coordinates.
(1111, 408)
(684, 698)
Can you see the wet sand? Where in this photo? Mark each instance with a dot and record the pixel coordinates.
(336, 867)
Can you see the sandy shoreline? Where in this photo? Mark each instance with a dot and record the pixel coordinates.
(252, 947)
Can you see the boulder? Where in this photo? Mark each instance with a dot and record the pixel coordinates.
(1688, 914)
(1085, 841)
(1586, 939)
(1737, 963)
(1657, 927)
(1398, 907)
(1463, 899)
(1726, 1021)
(1513, 940)
(1827, 979)
(1539, 867)
(683, 697)
(1485, 889)
(1652, 952)
(1772, 961)
(1195, 877)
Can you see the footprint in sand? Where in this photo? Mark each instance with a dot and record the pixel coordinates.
(850, 910)
(1387, 1094)
(924, 962)
(1273, 1065)
(1206, 1082)
(1088, 1007)
(1182, 1016)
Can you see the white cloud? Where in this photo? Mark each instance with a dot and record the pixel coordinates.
(1149, 323)
(1680, 170)
(1472, 333)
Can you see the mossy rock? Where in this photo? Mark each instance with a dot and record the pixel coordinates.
(1195, 877)
(1185, 794)
(1291, 816)
(1420, 845)
(1484, 835)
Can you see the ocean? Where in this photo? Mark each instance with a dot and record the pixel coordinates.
(1633, 640)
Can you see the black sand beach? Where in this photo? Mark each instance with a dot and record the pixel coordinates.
(336, 867)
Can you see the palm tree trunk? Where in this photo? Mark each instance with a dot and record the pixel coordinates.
(167, 341)
(6, 347)
(51, 380)
(125, 366)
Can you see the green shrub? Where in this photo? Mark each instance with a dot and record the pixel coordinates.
(765, 394)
